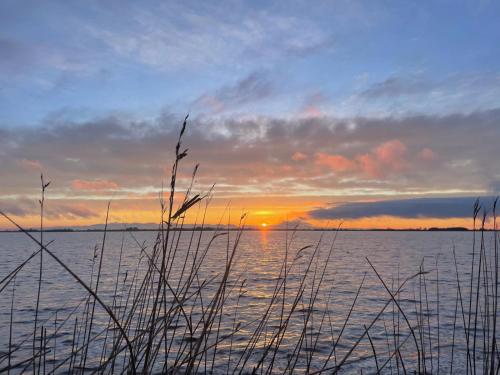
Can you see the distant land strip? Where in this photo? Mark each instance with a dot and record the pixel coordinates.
(249, 229)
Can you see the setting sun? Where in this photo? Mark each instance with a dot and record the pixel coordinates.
(263, 225)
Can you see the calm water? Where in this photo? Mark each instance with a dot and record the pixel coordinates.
(395, 255)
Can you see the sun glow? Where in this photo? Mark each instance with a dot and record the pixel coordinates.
(263, 225)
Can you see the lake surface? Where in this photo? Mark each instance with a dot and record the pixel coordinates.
(259, 258)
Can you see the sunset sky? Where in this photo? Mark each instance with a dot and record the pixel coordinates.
(375, 113)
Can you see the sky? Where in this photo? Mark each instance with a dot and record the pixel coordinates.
(375, 114)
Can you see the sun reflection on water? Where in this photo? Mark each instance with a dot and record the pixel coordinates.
(264, 240)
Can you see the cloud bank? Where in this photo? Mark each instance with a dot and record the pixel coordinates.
(333, 159)
(443, 208)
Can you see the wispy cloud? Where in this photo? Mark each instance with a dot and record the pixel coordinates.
(94, 185)
(20, 207)
(204, 35)
(424, 93)
(20, 58)
(253, 88)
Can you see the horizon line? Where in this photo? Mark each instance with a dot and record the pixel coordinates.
(250, 229)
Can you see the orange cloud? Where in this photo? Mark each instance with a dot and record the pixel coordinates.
(96, 185)
(337, 163)
(299, 156)
(392, 154)
(387, 157)
(369, 165)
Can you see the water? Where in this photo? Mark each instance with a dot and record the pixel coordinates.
(259, 258)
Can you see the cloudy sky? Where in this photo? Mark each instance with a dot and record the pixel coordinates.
(375, 113)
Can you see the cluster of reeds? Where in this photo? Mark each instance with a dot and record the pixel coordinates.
(172, 315)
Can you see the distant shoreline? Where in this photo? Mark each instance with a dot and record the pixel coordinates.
(212, 229)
